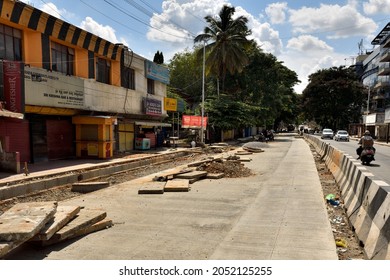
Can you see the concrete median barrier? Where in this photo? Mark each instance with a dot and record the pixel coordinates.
(366, 199)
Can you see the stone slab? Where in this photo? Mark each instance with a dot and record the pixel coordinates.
(152, 188)
(85, 218)
(24, 220)
(87, 187)
(177, 185)
(63, 215)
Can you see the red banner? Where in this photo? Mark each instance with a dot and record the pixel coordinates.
(13, 86)
(193, 121)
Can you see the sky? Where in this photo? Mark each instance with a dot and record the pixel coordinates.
(305, 35)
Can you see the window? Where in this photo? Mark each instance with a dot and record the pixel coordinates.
(62, 58)
(10, 43)
(103, 68)
(150, 86)
(129, 78)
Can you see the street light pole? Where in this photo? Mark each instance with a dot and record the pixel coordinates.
(203, 81)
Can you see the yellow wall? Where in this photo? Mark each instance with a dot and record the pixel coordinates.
(32, 48)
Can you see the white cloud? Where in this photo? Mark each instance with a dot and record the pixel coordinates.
(276, 12)
(377, 7)
(308, 44)
(104, 31)
(337, 21)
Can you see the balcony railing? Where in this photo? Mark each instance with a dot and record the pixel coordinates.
(385, 55)
(384, 69)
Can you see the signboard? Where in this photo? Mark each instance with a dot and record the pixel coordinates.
(152, 106)
(13, 86)
(193, 121)
(53, 89)
(156, 72)
(170, 104)
(180, 106)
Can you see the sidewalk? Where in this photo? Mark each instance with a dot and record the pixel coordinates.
(278, 213)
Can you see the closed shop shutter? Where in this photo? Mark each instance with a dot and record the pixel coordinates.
(14, 135)
(60, 139)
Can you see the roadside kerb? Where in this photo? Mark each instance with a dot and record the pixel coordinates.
(366, 200)
(34, 184)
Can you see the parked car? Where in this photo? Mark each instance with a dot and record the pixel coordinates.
(327, 133)
(341, 135)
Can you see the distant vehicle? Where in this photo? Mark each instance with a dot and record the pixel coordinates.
(341, 135)
(327, 133)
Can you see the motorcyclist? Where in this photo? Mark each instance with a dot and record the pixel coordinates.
(366, 141)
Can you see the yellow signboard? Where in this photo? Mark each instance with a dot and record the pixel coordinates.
(170, 104)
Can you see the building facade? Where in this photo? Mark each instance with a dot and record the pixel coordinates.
(80, 95)
(376, 78)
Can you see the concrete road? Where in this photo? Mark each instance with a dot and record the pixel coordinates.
(277, 214)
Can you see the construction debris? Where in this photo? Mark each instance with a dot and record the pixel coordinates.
(46, 223)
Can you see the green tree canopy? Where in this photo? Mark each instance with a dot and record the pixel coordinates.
(333, 98)
(228, 36)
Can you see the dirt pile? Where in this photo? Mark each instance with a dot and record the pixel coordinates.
(231, 169)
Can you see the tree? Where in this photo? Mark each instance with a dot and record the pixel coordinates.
(228, 37)
(333, 98)
(158, 58)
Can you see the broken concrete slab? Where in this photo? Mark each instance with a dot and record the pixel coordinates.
(197, 163)
(100, 225)
(24, 220)
(152, 188)
(85, 218)
(172, 174)
(215, 175)
(63, 215)
(192, 175)
(86, 187)
(177, 185)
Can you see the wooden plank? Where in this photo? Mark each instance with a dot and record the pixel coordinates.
(24, 220)
(239, 153)
(152, 188)
(177, 185)
(86, 217)
(100, 225)
(63, 215)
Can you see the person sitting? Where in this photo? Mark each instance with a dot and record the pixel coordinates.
(366, 141)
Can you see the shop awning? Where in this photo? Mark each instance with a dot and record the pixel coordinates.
(9, 114)
(147, 123)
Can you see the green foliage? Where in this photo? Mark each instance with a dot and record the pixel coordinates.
(228, 36)
(333, 98)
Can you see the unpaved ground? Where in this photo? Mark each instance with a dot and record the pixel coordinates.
(348, 244)
(342, 230)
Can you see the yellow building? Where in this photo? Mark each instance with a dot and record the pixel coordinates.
(54, 72)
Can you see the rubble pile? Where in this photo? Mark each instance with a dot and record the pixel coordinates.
(230, 168)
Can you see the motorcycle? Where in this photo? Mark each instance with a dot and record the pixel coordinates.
(367, 155)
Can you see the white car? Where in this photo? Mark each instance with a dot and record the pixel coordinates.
(341, 135)
(327, 133)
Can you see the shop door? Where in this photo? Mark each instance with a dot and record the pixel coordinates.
(126, 137)
(14, 135)
(60, 137)
(39, 140)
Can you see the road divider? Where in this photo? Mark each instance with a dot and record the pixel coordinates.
(366, 199)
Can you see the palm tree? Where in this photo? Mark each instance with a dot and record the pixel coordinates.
(228, 37)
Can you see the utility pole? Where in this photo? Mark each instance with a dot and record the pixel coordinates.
(203, 81)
